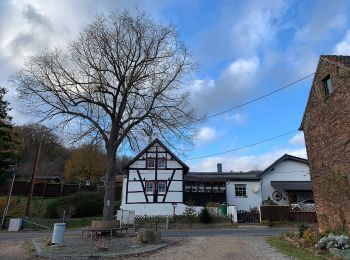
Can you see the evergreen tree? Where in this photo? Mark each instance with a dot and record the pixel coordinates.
(7, 154)
(205, 216)
(190, 212)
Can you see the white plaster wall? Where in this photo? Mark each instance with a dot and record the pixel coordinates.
(253, 198)
(287, 170)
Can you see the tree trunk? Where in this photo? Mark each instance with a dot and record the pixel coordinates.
(109, 197)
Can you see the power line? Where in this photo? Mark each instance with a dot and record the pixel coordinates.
(258, 98)
(243, 147)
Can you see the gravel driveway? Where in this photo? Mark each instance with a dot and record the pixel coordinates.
(242, 248)
(219, 247)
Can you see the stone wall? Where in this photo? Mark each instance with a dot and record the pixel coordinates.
(326, 126)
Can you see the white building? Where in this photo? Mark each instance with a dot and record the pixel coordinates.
(153, 184)
(159, 183)
(287, 180)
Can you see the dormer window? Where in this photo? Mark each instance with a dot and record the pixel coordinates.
(328, 87)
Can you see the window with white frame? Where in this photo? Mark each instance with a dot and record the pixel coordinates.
(149, 187)
(241, 190)
(161, 163)
(161, 187)
(151, 163)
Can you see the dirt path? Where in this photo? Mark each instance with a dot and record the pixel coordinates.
(16, 250)
(199, 248)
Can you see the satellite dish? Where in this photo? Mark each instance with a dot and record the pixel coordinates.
(255, 188)
(277, 196)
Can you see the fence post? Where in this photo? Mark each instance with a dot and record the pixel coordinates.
(61, 189)
(260, 214)
(167, 223)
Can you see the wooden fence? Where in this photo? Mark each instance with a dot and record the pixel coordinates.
(45, 190)
(284, 213)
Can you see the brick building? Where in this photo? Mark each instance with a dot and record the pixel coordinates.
(326, 125)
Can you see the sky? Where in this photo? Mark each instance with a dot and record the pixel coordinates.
(244, 49)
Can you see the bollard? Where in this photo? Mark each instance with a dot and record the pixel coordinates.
(167, 223)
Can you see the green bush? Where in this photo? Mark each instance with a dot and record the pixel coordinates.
(302, 228)
(82, 204)
(269, 202)
(205, 216)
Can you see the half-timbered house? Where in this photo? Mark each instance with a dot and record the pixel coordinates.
(159, 183)
(154, 182)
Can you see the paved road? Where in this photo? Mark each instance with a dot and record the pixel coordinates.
(250, 231)
(244, 231)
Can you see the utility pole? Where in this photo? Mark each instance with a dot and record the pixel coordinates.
(32, 181)
(8, 197)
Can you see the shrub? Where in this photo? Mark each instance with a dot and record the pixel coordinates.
(205, 216)
(270, 202)
(190, 213)
(302, 228)
(82, 204)
(213, 204)
(266, 222)
(310, 237)
(333, 241)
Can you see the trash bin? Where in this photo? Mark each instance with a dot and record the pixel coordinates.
(58, 233)
(223, 209)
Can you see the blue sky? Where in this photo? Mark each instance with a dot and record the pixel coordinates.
(245, 49)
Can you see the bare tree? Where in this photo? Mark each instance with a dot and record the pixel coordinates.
(53, 153)
(122, 78)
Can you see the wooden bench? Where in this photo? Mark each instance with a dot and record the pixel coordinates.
(104, 226)
(94, 231)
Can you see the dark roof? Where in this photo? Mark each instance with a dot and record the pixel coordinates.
(222, 176)
(292, 185)
(165, 148)
(336, 60)
(281, 159)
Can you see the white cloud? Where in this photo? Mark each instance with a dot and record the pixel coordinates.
(343, 47)
(246, 162)
(298, 138)
(29, 26)
(206, 134)
(235, 82)
(237, 118)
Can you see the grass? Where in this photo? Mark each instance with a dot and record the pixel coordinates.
(290, 250)
(28, 247)
(18, 205)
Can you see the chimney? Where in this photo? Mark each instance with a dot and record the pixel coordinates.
(219, 167)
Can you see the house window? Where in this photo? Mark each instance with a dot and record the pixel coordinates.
(151, 163)
(149, 187)
(161, 187)
(328, 87)
(241, 190)
(161, 162)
